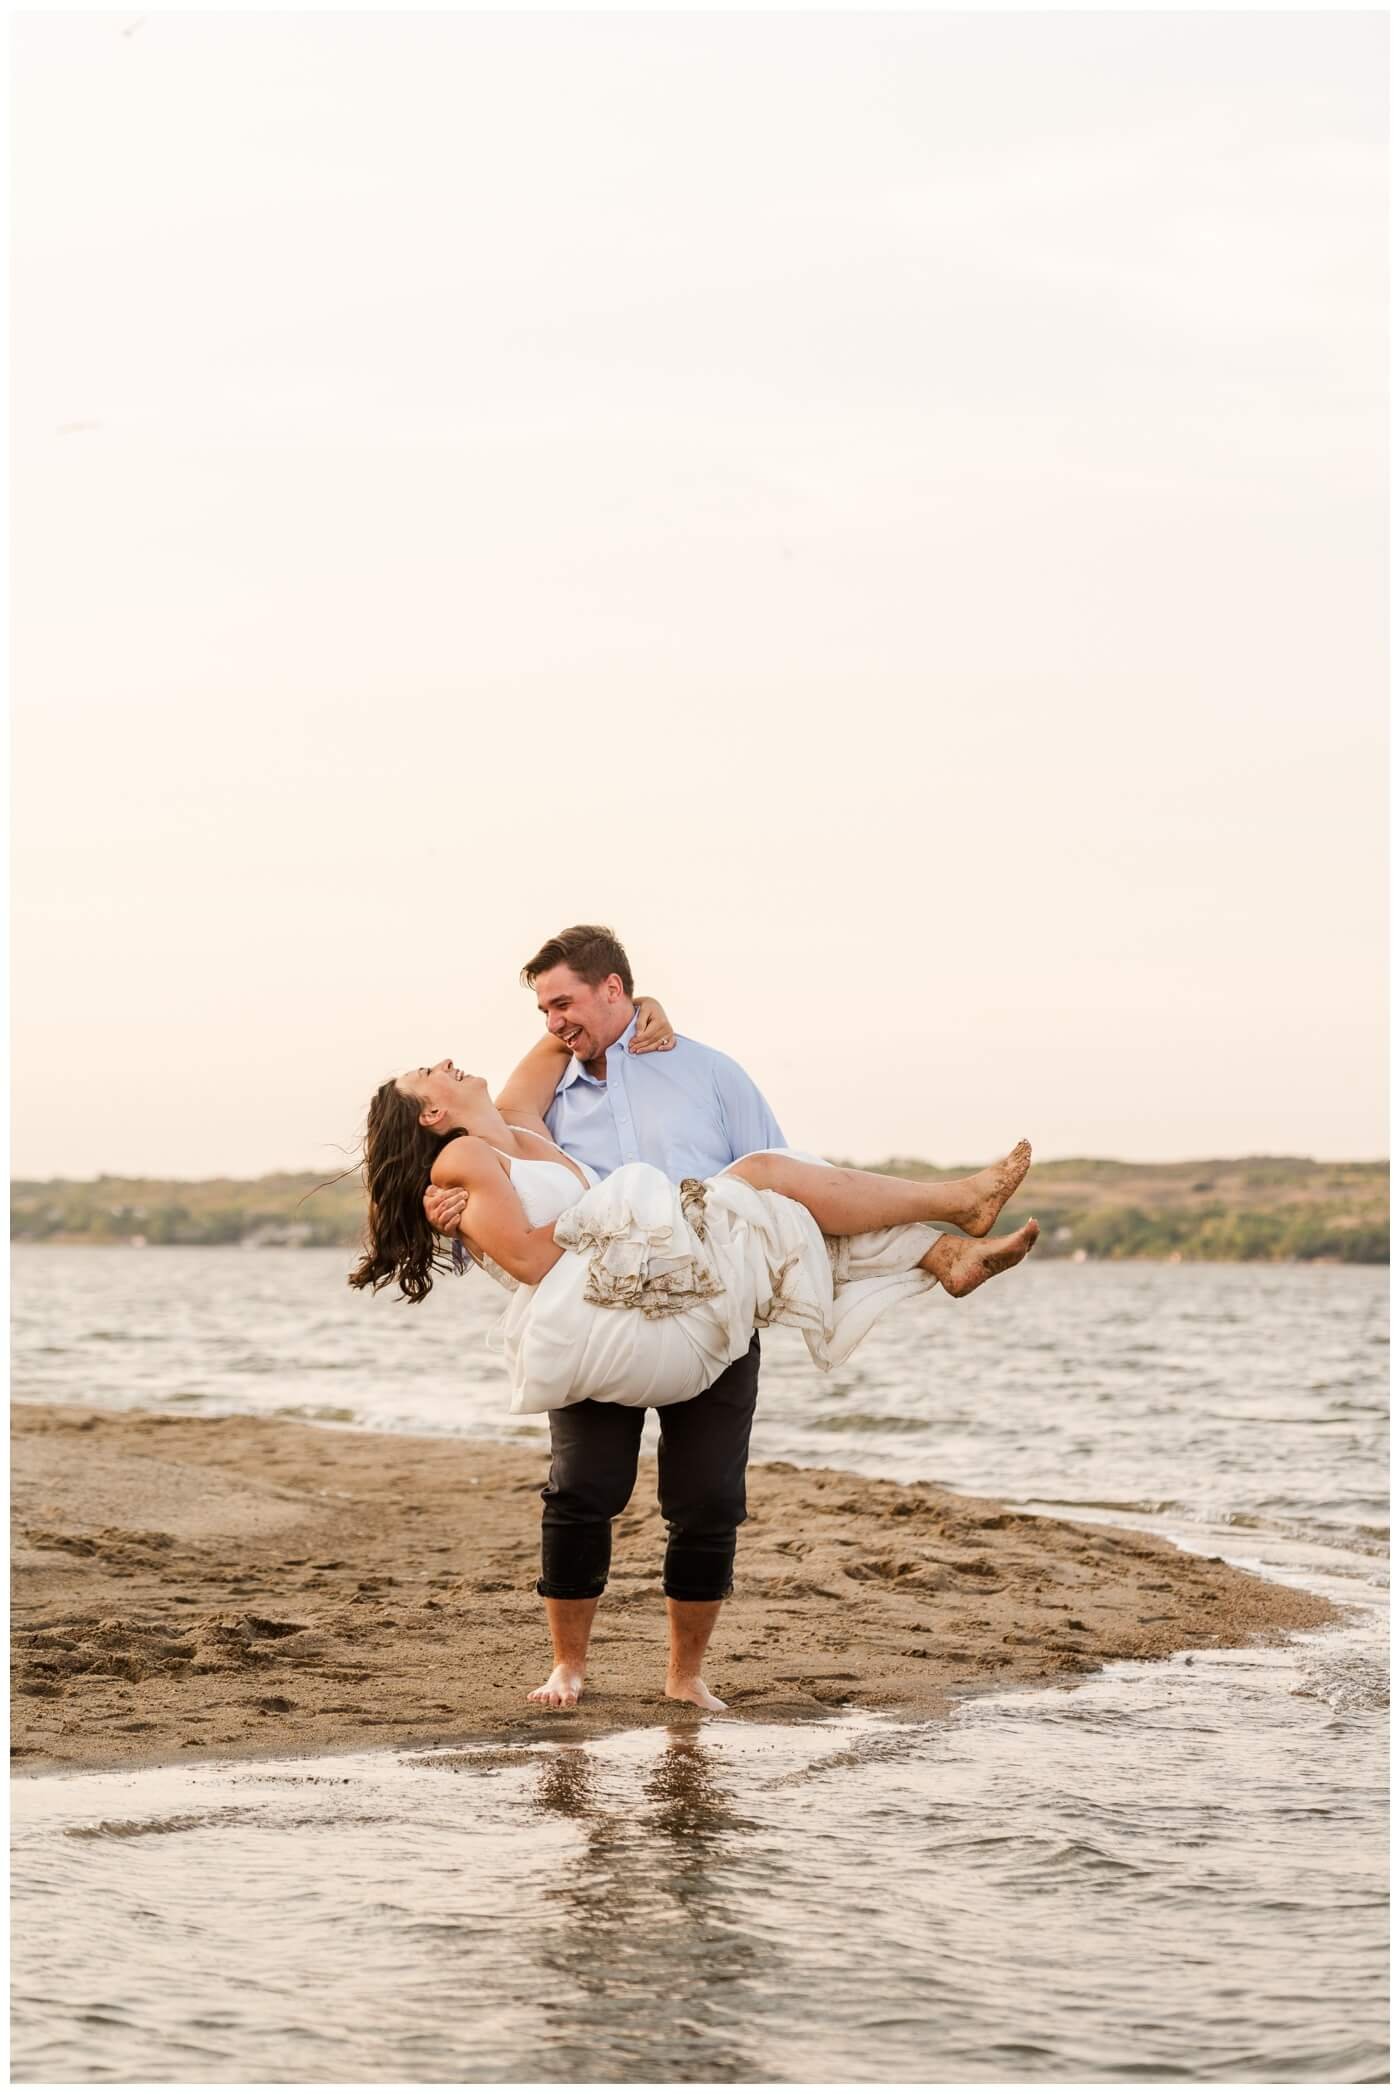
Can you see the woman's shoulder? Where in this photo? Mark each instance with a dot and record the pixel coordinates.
(463, 1159)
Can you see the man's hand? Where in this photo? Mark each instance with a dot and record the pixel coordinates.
(654, 1033)
(443, 1205)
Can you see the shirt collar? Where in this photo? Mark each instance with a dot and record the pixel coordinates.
(576, 1073)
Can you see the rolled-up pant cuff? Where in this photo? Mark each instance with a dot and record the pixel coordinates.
(575, 1556)
(700, 1566)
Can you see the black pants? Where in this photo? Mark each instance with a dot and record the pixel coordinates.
(700, 1463)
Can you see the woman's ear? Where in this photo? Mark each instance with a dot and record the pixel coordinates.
(431, 1115)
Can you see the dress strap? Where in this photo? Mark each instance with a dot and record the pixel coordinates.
(540, 1138)
(575, 1170)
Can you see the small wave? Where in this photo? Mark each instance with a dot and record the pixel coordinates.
(144, 1828)
(1270, 1418)
(1349, 1682)
(1362, 1540)
(1080, 1857)
(866, 1421)
(317, 1413)
(1138, 1505)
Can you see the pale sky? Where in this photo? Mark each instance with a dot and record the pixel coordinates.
(887, 511)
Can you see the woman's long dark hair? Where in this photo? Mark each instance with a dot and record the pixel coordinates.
(399, 1155)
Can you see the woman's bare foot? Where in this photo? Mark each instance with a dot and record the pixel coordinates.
(693, 1688)
(562, 1689)
(992, 1188)
(961, 1266)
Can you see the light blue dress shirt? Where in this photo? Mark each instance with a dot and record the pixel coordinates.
(689, 1111)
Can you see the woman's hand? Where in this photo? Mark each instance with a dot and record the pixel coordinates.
(444, 1206)
(500, 1228)
(654, 1033)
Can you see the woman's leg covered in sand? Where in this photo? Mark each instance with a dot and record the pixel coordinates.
(847, 1203)
(844, 1202)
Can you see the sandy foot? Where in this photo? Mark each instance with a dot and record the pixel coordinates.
(994, 1188)
(561, 1690)
(694, 1690)
(962, 1266)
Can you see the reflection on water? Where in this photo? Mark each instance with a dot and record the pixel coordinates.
(641, 1917)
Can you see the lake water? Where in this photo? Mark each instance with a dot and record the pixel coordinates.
(1171, 1871)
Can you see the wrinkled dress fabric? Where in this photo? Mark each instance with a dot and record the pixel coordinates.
(665, 1285)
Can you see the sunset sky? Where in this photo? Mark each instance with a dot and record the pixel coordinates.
(887, 511)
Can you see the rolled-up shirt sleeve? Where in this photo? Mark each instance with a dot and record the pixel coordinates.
(747, 1115)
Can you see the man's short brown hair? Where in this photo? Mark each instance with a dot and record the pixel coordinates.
(590, 949)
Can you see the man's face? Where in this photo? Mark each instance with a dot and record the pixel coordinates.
(586, 1016)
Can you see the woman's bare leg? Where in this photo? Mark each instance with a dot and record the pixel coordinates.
(844, 1202)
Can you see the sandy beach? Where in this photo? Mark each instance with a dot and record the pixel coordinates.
(187, 1588)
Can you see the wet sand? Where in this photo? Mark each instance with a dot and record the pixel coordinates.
(210, 1588)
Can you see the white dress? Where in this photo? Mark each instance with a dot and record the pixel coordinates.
(664, 1285)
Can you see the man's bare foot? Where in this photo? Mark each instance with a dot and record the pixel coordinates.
(961, 1266)
(693, 1689)
(562, 1689)
(992, 1188)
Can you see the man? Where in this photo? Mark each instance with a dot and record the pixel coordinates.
(690, 1112)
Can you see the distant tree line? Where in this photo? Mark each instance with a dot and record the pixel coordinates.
(1239, 1209)
(1246, 1235)
(289, 1208)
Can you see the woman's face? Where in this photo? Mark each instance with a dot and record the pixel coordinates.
(442, 1092)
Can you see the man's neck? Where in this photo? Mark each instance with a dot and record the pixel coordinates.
(598, 1067)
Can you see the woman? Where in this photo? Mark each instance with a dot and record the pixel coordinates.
(637, 1291)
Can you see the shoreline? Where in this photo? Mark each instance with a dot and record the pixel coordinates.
(190, 1589)
(1047, 1255)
